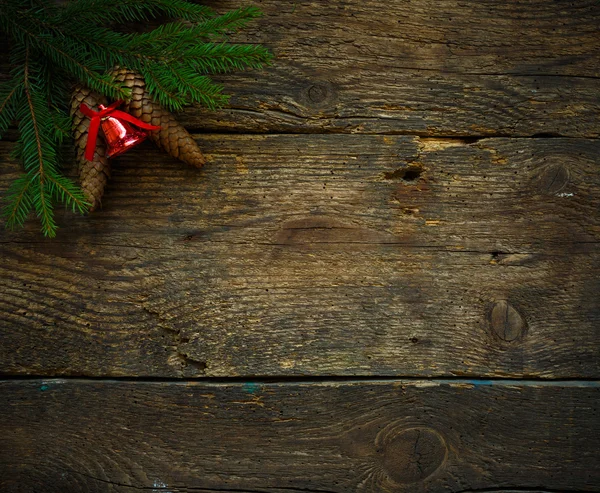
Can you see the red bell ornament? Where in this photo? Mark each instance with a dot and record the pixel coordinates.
(120, 136)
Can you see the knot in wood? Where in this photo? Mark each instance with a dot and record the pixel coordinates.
(318, 95)
(552, 178)
(411, 454)
(506, 322)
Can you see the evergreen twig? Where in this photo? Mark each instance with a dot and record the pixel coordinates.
(54, 45)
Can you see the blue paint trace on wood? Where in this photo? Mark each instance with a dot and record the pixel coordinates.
(43, 387)
(479, 383)
(251, 387)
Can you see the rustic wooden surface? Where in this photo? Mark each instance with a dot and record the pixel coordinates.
(441, 68)
(296, 255)
(86, 436)
(410, 192)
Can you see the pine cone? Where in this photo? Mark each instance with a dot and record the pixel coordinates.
(172, 136)
(93, 175)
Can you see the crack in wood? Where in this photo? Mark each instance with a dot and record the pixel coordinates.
(182, 357)
(333, 380)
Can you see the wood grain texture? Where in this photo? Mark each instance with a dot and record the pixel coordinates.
(420, 436)
(370, 232)
(319, 255)
(429, 68)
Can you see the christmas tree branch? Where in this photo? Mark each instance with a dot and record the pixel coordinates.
(54, 45)
(193, 87)
(163, 88)
(228, 22)
(70, 58)
(6, 100)
(218, 58)
(8, 94)
(41, 203)
(67, 192)
(19, 201)
(41, 184)
(36, 132)
(102, 11)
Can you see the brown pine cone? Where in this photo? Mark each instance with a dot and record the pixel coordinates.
(172, 136)
(93, 175)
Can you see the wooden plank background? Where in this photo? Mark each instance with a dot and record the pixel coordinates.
(296, 255)
(90, 436)
(448, 67)
(385, 279)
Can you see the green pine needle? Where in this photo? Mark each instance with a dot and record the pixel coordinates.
(10, 92)
(57, 44)
(19, 201)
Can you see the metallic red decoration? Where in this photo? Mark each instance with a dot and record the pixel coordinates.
(119, 135)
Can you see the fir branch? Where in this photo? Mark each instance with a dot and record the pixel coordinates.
(103, 11)
(182, 9)
(77, 64)
(197, 88)
(34, 123)
(61, 124)
(226, 23)
(108, 11)
(166, 35)
(69, 55)
(163, 88)
(7, 96)
(41, 200)
(55, 44)
(9, 93)
(42, 204)
(18, 202)
(66, 191)
(215, 58)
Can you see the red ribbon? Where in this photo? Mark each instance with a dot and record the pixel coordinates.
(97, 117)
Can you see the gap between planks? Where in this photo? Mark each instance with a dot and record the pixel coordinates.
(320, 381)
(11, 135)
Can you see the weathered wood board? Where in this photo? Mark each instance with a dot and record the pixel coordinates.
(420, 436)
(320, 255)
(412, 189)
(430, 68)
